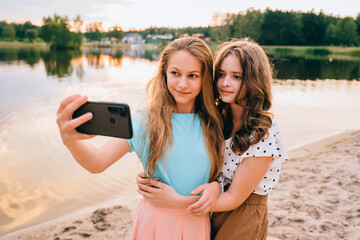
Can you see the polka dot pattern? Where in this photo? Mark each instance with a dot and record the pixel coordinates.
(270, 146)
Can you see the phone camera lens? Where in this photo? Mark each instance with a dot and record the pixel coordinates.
(112, 120)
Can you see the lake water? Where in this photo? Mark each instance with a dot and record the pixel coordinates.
(40, 181)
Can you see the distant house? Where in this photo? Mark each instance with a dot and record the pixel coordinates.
(159, 39)
(114, 39)
(105, 41)
(133, 38)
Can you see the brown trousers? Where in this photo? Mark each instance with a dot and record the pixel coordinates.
(249, 221)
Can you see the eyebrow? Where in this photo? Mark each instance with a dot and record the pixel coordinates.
(232, 72)
(193, 71)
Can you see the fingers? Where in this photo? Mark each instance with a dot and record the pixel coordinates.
(145, 194)
(67, 108)
(198, 190)
(147, 188)
(82, 136)
(141, 178)
(198, 204)
(158, 184)
(67, 101)
(200, 211)
(73, 106)
(74, 123)
(200, 207)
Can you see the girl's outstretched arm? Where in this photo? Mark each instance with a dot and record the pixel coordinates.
(247, 176)
(92, 158)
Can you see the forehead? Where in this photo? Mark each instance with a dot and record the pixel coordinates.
(231, 63)
(184, 61)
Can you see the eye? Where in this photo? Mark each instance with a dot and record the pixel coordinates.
(193, 76)
(174, 73)
(238, 77)
(221, 75)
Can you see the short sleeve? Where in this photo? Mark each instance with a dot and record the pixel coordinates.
(271, 145)
(138, 122)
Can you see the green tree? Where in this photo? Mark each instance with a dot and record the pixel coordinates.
(248, 24)
(115, 32)
(343, 32)
(8, 31)
(313, 28)
(222, 26)
(358, 23)
(330, 35)
(56, 32)
(2, 24)
(346, 32)
(94, 31)
(20, 29)
(252, 22)
(77, 35)
(31, 34)
(281, 28)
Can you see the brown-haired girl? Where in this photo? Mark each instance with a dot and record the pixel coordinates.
(253, 148)
(177, 138)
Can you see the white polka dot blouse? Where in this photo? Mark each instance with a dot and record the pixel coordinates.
(270, 146)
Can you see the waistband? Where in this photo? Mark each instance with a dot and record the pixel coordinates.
(164, 210)
(256, 199)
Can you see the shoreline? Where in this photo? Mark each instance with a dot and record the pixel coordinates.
(117, 219)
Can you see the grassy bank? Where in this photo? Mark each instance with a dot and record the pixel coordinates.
(328, 51)
(22, 44)
(146, 46)
(300, 51)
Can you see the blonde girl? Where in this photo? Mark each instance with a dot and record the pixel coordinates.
(176, 138)
(253, 148)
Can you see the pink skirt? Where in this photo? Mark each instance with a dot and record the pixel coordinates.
(155, 223)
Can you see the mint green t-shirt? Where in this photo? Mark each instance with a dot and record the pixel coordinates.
(187, 164)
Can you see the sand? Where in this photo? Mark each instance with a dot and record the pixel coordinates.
(318, 197)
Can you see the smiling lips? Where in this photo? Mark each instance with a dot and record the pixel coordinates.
(226, 92)
(182, 92)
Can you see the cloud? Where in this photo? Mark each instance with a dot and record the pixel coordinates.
(88, 10)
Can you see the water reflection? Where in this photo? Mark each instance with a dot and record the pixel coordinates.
(64, 63)
(290, 67)
(31, 56)
(59, 63)
(101, 57)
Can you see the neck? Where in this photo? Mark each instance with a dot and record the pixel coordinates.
(184, 109)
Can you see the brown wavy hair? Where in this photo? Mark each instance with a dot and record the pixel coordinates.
(162, 105)
(257, 77)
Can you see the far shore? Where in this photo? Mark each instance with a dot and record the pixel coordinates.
(316, 198)
(324, 51)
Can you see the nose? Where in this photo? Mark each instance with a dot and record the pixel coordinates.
(226, 81)
(183, 82)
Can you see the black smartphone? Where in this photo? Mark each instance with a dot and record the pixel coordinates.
(109, 119)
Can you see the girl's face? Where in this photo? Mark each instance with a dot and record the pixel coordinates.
(230, 79)
(184, 80)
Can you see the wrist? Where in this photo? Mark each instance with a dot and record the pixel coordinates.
(216, 186)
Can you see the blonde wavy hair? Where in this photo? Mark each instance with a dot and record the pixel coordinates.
(257, 77)
(162, 105)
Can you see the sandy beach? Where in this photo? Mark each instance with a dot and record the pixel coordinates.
(317, 198)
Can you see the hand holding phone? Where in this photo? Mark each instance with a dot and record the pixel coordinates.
(109, 119)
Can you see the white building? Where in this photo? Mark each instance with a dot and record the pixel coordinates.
(133, 38)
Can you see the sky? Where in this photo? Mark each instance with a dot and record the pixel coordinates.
(141, 14)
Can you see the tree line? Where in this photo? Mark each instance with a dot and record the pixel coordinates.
(275, 27)
(288, 28)
(269, 27)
